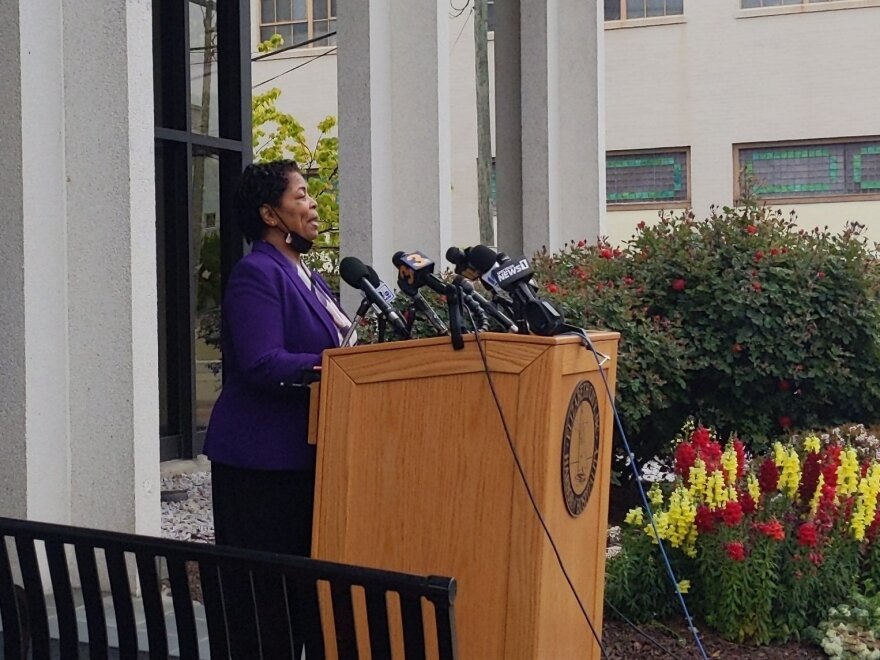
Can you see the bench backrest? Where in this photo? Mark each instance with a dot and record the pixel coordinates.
(250, 599)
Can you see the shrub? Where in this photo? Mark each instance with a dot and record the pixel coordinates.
(740, 320)
(767, 545)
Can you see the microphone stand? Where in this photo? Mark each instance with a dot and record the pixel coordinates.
(456, 318)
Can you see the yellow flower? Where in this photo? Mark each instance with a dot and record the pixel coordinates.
(779, 454)
(684, 586)
(790, 477)
(814, 503)
(698, 479)
(729, 463)
(754, 488)
(848, 472)
(812, 444)
(866, 502)
(656, 496)
(676, 525)
(717, 494)
(635, 517)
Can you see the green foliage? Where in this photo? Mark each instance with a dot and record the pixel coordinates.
(636, 582)
(742, 320)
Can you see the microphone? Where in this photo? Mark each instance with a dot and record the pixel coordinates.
(460, 258)
(422, 305)
(353, 271)
(417, 270)
(514, 276)
(503, 320)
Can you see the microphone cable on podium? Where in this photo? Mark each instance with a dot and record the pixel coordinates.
(528, 488)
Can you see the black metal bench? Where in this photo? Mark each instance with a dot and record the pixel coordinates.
(250, 599)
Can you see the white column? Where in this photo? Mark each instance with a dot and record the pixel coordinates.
(79, 404)
(394, 133)
(561, 96)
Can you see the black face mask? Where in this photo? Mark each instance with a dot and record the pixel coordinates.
(294, 240)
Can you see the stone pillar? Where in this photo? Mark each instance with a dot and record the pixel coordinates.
(558, 80)
(79, 405)
(394, 143)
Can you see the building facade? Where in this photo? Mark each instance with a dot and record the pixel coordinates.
(696, 93)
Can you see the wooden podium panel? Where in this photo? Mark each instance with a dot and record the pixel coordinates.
(415, 474)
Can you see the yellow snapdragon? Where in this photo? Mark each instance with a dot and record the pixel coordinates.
(790, 477)
(684, 586)
(697, 479)
(779, 454)
(754, 488)
(655, 495)
(817, 496)
(848, 472)
(812, 444)
(866, 502)
(729, 463)
(717, 493)
(635, 516)
(676, 524)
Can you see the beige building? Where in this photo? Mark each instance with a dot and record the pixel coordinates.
(695, 92)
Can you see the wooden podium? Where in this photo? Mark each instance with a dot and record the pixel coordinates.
(415, 474)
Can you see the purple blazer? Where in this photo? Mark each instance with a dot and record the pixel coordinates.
(274, 328)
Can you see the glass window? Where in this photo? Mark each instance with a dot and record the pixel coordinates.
(617, 10)
(203, 67)
(298, 21)
(657, 178)
(804, 170)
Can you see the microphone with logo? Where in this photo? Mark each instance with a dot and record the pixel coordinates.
(417, 270)
(513, 276)
(360, 276)
(501, 305)
(406, 283)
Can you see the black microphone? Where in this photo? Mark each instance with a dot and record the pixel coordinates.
(513, 276)
(353, 271)
(417, 270)
(503, 320)
(461, 260)
(422, 305)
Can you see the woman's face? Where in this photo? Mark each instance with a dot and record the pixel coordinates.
(296, 209)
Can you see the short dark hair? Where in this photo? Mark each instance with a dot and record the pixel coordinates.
(260, 183)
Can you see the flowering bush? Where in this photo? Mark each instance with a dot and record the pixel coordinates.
(741, 320)
(766, 544)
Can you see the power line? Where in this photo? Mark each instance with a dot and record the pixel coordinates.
(299, 45)
(298, 66)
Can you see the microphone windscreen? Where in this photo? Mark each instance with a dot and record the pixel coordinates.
(397, 258)
(352, 270)
(455, 256)
(373, 277)
(482, 258)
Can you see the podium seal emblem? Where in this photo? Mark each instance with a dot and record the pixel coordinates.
(580, 447)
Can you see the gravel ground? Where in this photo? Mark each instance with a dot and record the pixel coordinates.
(192, 518)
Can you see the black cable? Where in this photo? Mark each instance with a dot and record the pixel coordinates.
(298, 66)
(286, 48)
(585, 340)
(528, 488)
(456, 9)
(652, 640)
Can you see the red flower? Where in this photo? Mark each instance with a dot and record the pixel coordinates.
(704, 520)
(711, 455)
(759, 255)
(756, 285)
(783, 385)
(732, 514)
(641, 224)
(552, 288)
(751, 229)
(774, 251)
(784, 421)
(685, 456)
(807, 536)
(768, 476)
(820, 275)
(810, 476)
(735, 550)
(748, 502)
(740, 450)
(605, 253)
(678, 284)
(582, 244)
(772, 529)
(700, 437)
(628, 280)
(737, 348)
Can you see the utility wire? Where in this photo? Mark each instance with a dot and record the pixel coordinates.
(298, 66)
(299, 45)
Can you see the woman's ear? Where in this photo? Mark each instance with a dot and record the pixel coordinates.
(267, 216)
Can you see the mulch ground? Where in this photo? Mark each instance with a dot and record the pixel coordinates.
(624, 643)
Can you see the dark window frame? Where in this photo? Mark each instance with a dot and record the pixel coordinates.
(175, 143)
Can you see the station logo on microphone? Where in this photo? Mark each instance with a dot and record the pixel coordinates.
(580, 447)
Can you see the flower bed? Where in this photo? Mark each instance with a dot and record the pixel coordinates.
(762, 546)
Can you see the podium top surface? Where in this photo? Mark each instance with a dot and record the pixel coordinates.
(595, 336)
